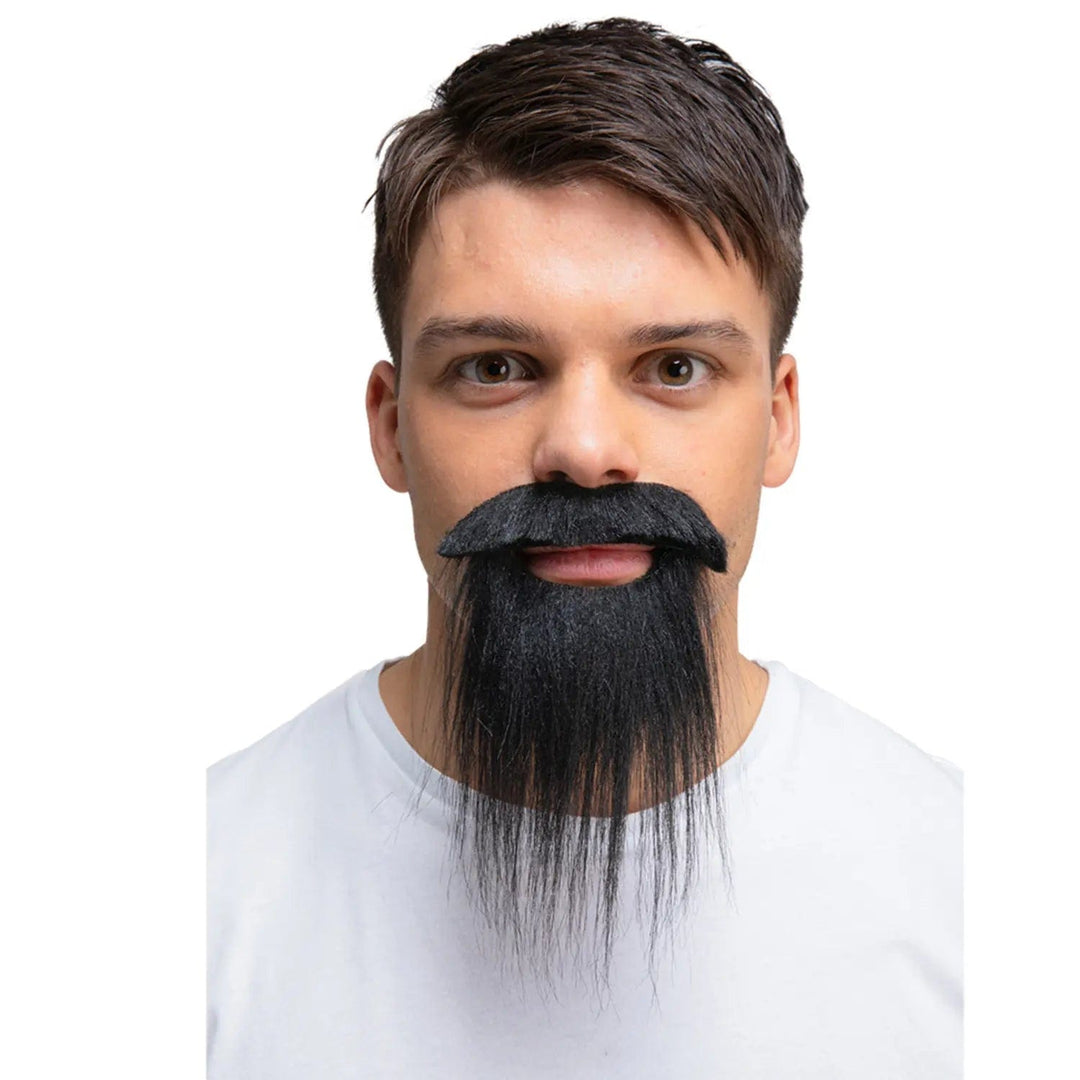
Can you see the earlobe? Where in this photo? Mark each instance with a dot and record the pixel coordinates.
(783, 445)
(382, 413)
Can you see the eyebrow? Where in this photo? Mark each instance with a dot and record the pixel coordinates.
(727, 330)
(438, 330)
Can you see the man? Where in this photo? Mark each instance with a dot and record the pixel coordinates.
(576, 833)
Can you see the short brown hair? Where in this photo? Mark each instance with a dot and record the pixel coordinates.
(674, 120)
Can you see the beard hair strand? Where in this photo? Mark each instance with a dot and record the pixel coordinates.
(560, 702)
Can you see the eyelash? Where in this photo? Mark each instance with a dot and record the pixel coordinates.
(712, 370)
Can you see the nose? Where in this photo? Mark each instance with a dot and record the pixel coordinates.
(587, 435)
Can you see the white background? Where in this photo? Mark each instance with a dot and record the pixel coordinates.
(198, 545)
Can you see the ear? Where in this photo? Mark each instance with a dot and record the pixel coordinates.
(382, 414)
(784, 424)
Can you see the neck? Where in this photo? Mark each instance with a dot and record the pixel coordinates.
(411, 691)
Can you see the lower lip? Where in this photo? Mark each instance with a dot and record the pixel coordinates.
(591, 565)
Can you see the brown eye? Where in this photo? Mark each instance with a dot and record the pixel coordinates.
(677, 370)
(490, 369)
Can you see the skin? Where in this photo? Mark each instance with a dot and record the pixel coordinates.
(585, 263)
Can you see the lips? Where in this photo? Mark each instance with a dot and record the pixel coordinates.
(600, 564)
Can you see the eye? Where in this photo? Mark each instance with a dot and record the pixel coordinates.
(490, 369)
(677, 370)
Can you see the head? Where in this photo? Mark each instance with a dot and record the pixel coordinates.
(587, 265)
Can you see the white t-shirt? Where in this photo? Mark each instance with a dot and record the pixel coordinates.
(340, 947)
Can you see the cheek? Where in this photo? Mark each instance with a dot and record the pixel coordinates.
(721, 466)
(451, 467)
(718, 458)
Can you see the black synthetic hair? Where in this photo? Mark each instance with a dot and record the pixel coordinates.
(557, 698)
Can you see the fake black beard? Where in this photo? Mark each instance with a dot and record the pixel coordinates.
(556, 695)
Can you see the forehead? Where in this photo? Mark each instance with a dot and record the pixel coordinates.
(580, 260)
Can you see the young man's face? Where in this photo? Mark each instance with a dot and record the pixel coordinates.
(582, 269)
(612, 399)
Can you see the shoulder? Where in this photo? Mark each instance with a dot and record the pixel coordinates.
(869, 828)
(283, 762)
(859, 739)
(855, 766)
